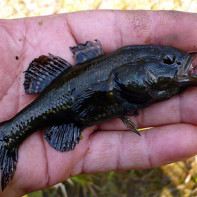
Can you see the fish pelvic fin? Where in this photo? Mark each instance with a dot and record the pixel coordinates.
(8, 161)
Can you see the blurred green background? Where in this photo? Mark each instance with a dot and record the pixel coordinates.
(177, 179)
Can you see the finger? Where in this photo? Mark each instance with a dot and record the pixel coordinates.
(113, 28)
(176, 29)
(124, 150)
(119, 28)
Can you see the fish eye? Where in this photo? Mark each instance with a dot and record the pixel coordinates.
(169, 59)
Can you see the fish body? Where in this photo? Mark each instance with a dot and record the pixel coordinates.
(100, 87)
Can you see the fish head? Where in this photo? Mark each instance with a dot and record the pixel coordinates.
(158, 70)
(169, 66)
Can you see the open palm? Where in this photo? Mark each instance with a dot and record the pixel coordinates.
(111, 147)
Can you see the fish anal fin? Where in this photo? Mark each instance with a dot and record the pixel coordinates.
(63, 137)
(87, 51)
(42, 71)
(8, 161)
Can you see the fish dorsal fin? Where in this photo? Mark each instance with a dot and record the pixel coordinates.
(42, 71)
(63, 137)
(87, 51)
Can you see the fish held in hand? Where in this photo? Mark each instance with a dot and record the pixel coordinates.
(100, 87)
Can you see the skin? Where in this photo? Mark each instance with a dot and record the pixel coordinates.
(112, 147)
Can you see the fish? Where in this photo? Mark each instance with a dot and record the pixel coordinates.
(98, 88)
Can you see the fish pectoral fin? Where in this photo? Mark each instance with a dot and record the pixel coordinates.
(63, 137)
(42, 71)
(87, 51)
(129, 124)
(8, 161)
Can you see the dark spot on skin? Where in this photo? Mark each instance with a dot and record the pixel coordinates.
(16, 57)
(40, 23)
(20, 39)
(172, 15)
(148, 41)
(175, 37)
(172, 37)
(166, 39)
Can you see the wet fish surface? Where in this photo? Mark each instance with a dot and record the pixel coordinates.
(99, 88)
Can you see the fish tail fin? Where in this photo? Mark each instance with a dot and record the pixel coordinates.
(8, 161)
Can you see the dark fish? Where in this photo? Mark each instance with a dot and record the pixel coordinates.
(97, 89)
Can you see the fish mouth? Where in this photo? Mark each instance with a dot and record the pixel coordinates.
(188, 64)
(188, 71)
(192, 70)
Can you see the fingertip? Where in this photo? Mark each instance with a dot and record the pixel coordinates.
(123, 150)
(170, 143)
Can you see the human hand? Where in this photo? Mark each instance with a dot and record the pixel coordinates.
(111, 147)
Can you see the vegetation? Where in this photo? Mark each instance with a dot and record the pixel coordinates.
(178, 179)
